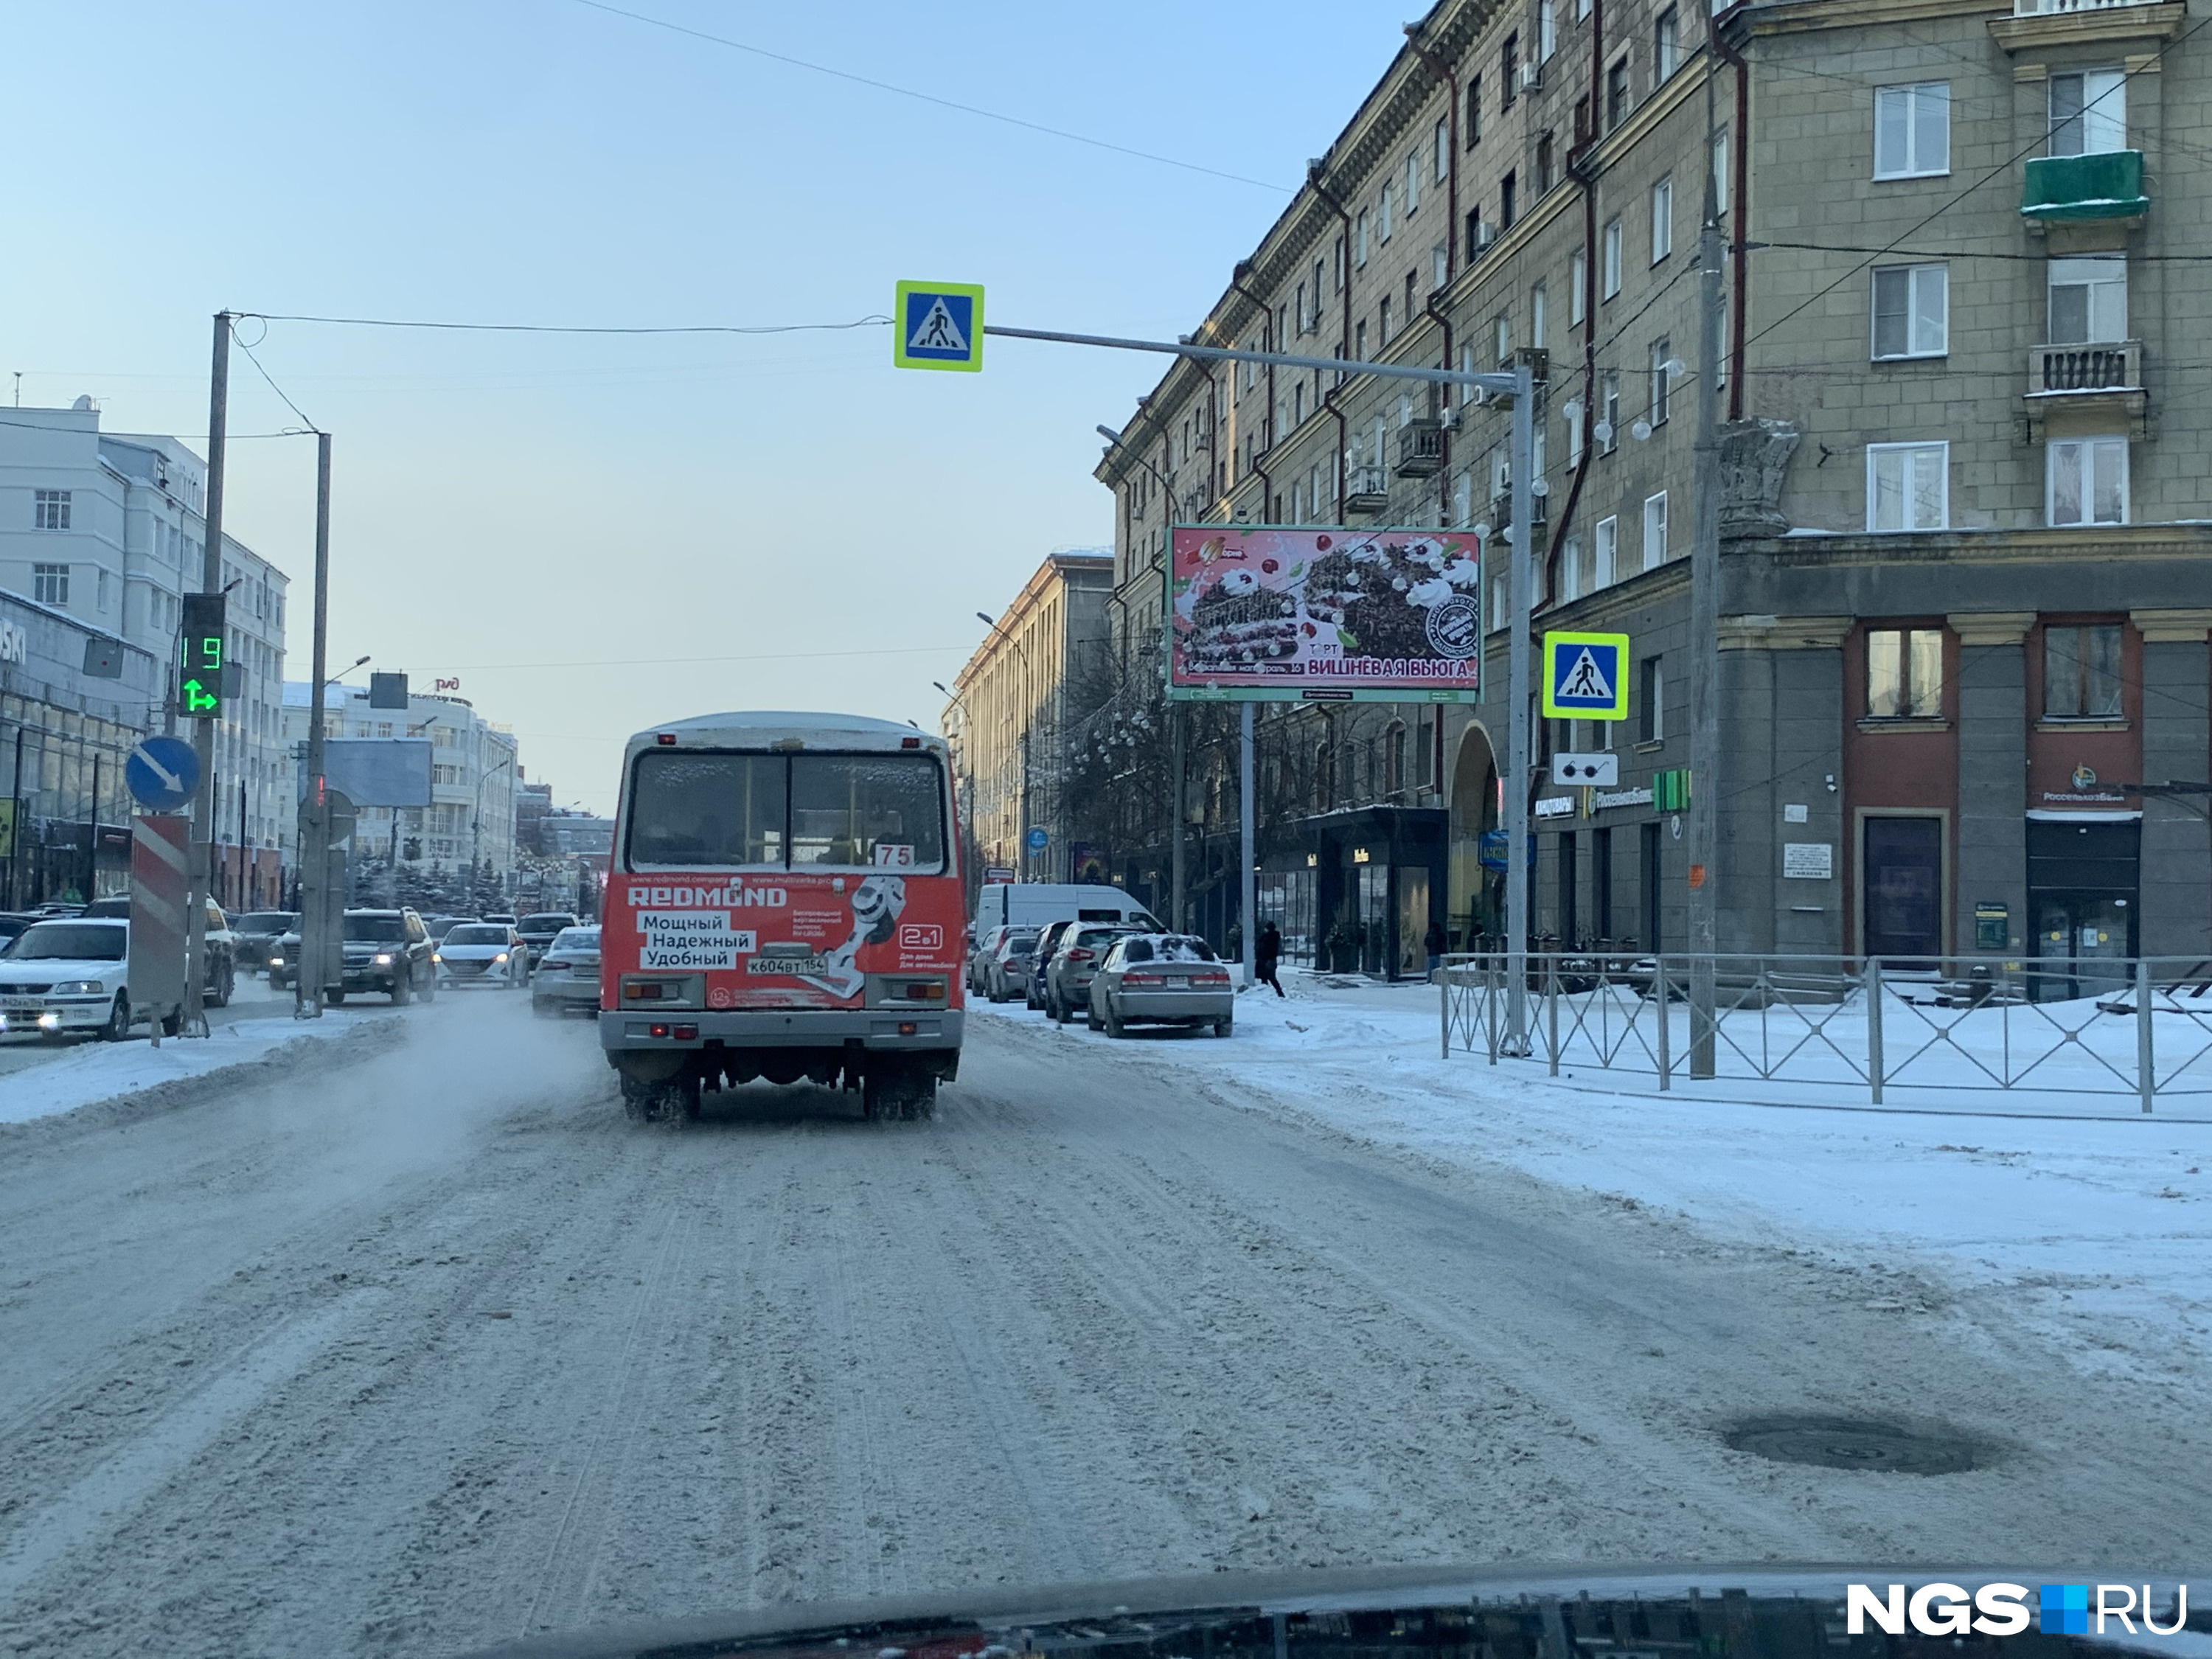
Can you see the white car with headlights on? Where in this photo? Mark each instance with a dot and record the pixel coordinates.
(62, 976)
(567, 979)
(482, 953)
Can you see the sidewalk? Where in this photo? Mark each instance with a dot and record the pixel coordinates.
(2091, 1229)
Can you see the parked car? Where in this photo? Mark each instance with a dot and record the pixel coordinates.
(506, 916)
(1067, 975)
(62, 976)
(482, 953)
(1007, 973)
(567, 976)
(387, 951)
(1047, 941)
(983, 943)
(439, 927)
(255, 934)
(12, 922)
(540, 929)
(220, 956)
(1161, 979)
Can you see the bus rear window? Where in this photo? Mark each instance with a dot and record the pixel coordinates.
(692, 810)
(708, 811)
(867, 809)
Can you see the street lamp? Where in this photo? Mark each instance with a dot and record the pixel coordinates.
(476, 818)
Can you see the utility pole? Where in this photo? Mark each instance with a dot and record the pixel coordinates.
(1177, 829)
(205, 806)
(315, 806)
(1520, 696)
(1704, 638)
(1247, 828)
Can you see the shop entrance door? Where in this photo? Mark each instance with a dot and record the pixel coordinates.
(1903, 900)
(2083, 877)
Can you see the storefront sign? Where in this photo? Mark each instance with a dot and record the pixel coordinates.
(1807, 860)
(1621, 797)
(2077, 797)
(1556, 806)
(14, 643)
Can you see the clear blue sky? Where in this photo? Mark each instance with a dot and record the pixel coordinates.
(506, 502)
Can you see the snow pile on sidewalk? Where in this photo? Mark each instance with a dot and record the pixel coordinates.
(82, 1074)
(2087, 1230)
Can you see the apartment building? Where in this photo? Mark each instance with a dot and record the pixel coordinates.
(1965, 554)
(1040, 666)
(106, 529)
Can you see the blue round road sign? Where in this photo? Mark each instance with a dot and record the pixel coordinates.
(1038, 840)
(163, 774)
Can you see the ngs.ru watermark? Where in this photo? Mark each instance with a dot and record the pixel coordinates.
(2003, 1609)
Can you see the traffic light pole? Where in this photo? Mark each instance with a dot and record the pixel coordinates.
(199, 864)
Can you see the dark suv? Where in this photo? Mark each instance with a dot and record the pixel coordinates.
(387, 951)
(221, 957)
(540, 930)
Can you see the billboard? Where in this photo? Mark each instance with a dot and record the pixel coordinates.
(376, 771)
(1261, 613)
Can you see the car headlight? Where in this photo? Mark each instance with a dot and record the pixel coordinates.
(384, 960)
(79, 988)
(436, 957)
(502, 957)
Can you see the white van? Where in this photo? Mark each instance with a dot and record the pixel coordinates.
(1036, 903)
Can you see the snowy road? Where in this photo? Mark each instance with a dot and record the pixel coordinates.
(432, 1348)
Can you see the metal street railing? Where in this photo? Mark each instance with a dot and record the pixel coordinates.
(2133, 1026)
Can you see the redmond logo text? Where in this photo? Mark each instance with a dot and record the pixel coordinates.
(2003, 1609)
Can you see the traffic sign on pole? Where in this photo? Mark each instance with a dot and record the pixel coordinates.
(162, 774)
(1586, 676)
(939, 326)
(1038, 838)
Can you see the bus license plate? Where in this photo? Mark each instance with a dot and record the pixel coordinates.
(786, 966)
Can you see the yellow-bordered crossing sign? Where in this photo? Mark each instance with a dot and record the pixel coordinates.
(1586, 676)
(939, 326)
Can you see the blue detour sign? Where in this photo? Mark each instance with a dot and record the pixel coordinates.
(162, 774)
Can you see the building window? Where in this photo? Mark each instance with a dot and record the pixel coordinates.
(1667, 43)
(1336, 267)
(1662, 378)
(1505, 209)
(1509, 68)
(1443, 147)
(2082, 672)
(1413, 183)
(1655, 531)
(100, 586)
(1439, 267)
(1382, 321)
(1547, 30)
(1607, 430)
(1359, 241)
(1720, 165)
(1912, 130)
(1609, 276)
(1382, 217)
(1501, 338)
(2088, 301)
(1904, 674)
(2088, 113)
(1616, 94)
(50, 583)
(1582, 11)
(1651, 705)
(1536, 317)
(1573, 578)
(1908, 486)
(1662, 218)
(1393, 758)
(1474, 110)
(1548, 168)
(1578, 285)
(2088, 481)
(49, 510)
(1911, 310)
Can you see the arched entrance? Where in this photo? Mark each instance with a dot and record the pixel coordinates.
(1476, 893)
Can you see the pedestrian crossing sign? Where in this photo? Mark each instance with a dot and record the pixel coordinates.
(938, 325)
(1586, 676)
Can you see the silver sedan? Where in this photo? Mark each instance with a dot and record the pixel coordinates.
(1161, 979)
(568, 976)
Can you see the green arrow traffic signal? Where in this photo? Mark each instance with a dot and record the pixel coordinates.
(197, 701)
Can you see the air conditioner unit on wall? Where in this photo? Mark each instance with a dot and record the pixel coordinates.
(1532, 77)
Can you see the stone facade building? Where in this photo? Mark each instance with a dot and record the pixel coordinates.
(1966, 557)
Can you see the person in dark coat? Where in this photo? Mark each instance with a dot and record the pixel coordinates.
(1266, 950)
(1433, 943)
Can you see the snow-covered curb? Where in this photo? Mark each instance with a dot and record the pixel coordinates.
(2084, 1228)
(102, 1074)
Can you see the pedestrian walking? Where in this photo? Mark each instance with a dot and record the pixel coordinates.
(1434, 943)
(1266, 950)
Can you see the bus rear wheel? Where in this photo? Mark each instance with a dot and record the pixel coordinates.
(662, 1100)
(898, 1089)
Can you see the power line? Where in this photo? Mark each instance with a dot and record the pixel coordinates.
(930, 98)
(749, 656)
(273, 386)
(1959, 253)
(873, 321)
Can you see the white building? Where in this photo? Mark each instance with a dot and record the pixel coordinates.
(474, 778)
(107, 529)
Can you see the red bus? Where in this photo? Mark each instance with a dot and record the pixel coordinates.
(783, 901)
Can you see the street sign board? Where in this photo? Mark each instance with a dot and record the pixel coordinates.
(1586, 676)
(158, 860)
(1037, 839)
(1598, 771)
(998, 875)
(162, 774)
(200, 644)
(1268, 614)
(939, 326)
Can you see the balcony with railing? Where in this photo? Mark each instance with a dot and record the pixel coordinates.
(1366, 490)
(2059, 8)
(2100, 377)
(2064, 189)
(1421, 449)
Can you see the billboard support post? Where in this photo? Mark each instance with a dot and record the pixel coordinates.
(1246, 824)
